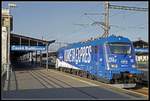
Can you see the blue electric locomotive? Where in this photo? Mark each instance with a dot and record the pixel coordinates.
(110, 59)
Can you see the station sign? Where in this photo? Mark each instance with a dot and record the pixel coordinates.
(142, 50)
(27, 48)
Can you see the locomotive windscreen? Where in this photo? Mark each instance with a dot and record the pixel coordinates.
(119, 48)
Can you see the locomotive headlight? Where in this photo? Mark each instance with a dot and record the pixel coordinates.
(114, 65)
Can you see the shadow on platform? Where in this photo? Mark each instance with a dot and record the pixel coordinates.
(63, 93)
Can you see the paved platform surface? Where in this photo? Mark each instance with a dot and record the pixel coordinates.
(38, 83)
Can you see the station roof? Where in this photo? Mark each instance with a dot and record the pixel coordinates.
(17, 36)
(141, 47)
(140, 44)
(16, 39)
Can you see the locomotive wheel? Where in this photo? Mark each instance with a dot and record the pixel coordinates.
(94, 77)
(71, 71)
(85, 75)
(89, 76)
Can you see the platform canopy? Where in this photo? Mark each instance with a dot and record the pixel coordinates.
(20, 44)
(25, 43)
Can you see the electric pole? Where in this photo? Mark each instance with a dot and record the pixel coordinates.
(106, 22)
(108, 6)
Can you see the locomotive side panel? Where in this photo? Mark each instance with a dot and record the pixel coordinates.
(110, 59)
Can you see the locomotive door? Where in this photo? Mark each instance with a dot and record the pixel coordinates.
(96, 58)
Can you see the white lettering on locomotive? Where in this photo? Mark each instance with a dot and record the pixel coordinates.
(77, 55)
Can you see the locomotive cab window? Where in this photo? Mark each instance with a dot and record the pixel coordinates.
(119, 48)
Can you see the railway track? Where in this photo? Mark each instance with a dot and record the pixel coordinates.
(143, 90)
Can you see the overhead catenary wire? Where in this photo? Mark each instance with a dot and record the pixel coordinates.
(109, 6)
(87, 25)
(84, 26)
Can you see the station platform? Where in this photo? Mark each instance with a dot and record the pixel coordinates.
(39, 83)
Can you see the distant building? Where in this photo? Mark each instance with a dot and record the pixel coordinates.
(141, 49)
(140, 44)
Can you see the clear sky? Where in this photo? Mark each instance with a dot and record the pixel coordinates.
(60, 20)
